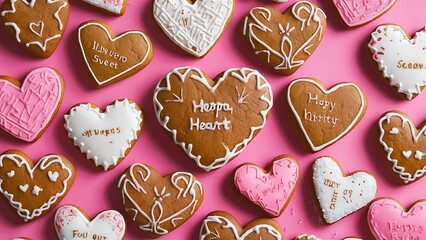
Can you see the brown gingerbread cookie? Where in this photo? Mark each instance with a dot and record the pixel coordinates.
(306, 237)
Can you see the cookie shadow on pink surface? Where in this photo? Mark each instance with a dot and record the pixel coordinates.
(8, 213)
(9, 44)
(363, 223)
(333, 17)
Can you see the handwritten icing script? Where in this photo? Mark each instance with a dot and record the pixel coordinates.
(321, 117)
(101, 132)
(347, 193)
(107, 57)
(76, 234)
(210, 107)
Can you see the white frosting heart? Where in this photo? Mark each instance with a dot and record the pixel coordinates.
(113, 6)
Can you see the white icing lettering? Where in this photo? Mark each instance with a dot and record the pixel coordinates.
(104, 51)
(216, 125)
(314, 117)
(323, 103)
(212, 106)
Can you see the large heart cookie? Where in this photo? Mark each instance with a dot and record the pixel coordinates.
(285, 41)
(115, 7)
(389, 220)
(273, 190)
(26, 110)
(405, 145)
(209, 118)
(37, 25)
(71, 223)
(340, 195)
(105, 137)
(110, 58)
(325, 116)
(194, 25)
(356, 13)
(400, 58)
(31, 189)
(222, 225)
(159, 204)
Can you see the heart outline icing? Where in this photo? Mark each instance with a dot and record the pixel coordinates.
(188, 32)
(338, 194)
(159, 220)
(19, 159)
(398, 58)
(107, 136)
(195, 77)
(72, 223)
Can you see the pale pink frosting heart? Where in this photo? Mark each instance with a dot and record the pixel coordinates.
(359, 12)
(271, 191)
(26, 111)
(388, 220)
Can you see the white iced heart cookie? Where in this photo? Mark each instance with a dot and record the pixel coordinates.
(105, 137)
(400, 58)
(341, 195)
(196, 26)
(72, 223)
(115, 7)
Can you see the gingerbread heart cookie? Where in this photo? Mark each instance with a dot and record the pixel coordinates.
(273, 190)
(306, 237)
(110, 58)
(400, 58)
(114, 7)
(285, 41)
(159, 204)
(222, 225)
(338, 194)
(404, 144)
(28, 108)
(201, 112)
(387, 219)
(355, 13)
(107, 136)
(71, 223)
(37, 25)
(325, 116)
(194, 25)
(33, 190)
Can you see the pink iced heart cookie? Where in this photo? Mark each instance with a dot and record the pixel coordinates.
(26, 111)
(271, 191)
(389, 220)
(114, 7)
(355, 13)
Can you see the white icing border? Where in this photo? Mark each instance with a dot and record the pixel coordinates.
(107, 6)
(238, 73)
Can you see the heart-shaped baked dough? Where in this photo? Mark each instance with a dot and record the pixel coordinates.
(37, 25)
(325, 116)
(157, 204)
(28, 108)
(71, 223)
(389, 220)
(114, 7)
(222, 225)
(340, 195)
(306, 237)
(273, 190)
(213, 120)
(400, 58)
(285, 41)
(31, 189)
(110, 58)
(404, 144)
(107, 136)
(194, 25)
(355, 13)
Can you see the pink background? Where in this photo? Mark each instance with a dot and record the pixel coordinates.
(342, 56)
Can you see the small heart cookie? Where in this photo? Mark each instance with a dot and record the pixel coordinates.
(355, 13)
(157, 204)
(306, 237)
(194, 25)
(110, 58)
(285, 41)
(325, 116)
(404, 144)
(340, 195)
(107, 136)
(387, 219)
(114, 7)
(400, 58)
(37, 25)
(29, 188)
(222, 225)
(31, 105)
(200, 112)
(273, 190)
(71, 223)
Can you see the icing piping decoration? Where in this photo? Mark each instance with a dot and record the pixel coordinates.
(105, 137)
(195, 27)
(307, 237)
(113, 6)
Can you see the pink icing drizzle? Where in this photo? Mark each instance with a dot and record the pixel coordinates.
(26, 111)
(270, 191)
(387, 220)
